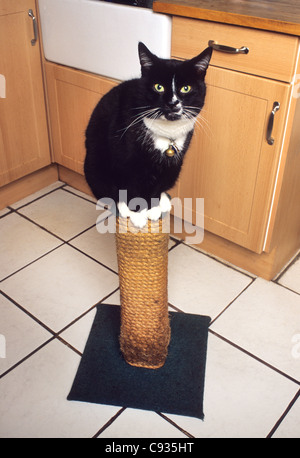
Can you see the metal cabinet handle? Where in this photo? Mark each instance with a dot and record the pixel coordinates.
(276, 107)
(229, 49)
(35, 29)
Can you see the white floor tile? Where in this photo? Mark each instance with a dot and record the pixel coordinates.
(291, 278)
(60, 286)
(77, 334)
(264, 321)
(19, 334)
(4, 211)
(101, 247)
(21, 242)
(33, 400)
(62, 213)
(201, 285)
(290, 426)
(243, 398)
(37, 194)
(134, 423)
(114, 299)
(81, 194)
(171, 243)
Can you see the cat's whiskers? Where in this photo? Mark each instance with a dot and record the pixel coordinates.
(155, 115)
(200, 121)
(204, 125)
(139, 118)
(139, 108)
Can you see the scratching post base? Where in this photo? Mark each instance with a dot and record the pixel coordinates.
(143, 273)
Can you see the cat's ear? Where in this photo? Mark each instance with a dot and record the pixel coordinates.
(147, 59)
(201, 62)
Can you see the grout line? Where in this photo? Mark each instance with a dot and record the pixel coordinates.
(278, 423)
(221, 261)
(291, 262)
(177, 243)
(37, 198)
(231, 302)
(175, 425)
(287, 288)
(8, 213)
(39, 225)
(93, 259)
(55, 334)
(175, 308)
(80, 197)
(297, 382)
(64, 242)
(28, 313)
(27, 356)
(107, 424)
(80, 233)
(108, 295)
(67, 344)
(85, 313)
(31, 262)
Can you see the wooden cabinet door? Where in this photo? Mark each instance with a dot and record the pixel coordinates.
(72, 96)
(24, 141)
(230, 163)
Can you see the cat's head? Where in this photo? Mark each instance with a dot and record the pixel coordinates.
(176, 89)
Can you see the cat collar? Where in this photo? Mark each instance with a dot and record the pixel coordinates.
(172, 149)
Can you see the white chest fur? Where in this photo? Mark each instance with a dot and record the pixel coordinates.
(163, 132)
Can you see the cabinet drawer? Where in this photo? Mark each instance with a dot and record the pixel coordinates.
(271, 55)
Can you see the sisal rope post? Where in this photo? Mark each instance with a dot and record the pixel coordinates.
(143, 274)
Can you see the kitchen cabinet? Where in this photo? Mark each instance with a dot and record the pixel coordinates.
(72, 96)
(237, 156)
(24, 140)
(230, 164)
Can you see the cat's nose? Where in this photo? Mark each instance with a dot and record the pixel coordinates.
(174, 105)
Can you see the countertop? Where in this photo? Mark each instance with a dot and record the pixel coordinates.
(275, 15)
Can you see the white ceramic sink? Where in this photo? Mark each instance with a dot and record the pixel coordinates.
(102, 37)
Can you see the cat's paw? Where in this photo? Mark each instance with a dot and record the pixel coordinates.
(139, 219)
(164, 203)
(123, 210)
(154, 213)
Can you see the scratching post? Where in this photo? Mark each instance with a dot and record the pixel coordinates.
(143, 271)
(141, 328)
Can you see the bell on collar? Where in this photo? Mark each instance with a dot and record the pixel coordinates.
(171, 150)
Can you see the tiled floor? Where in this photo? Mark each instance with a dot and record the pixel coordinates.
(55, 267)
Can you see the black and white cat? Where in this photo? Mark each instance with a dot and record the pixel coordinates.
(139, 132)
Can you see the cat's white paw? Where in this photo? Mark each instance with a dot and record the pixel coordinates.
(154, 213)
(123, 210)
(164, 203)
(139, 219)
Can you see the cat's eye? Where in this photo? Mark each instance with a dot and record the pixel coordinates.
(159, 88)
(185, 89)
